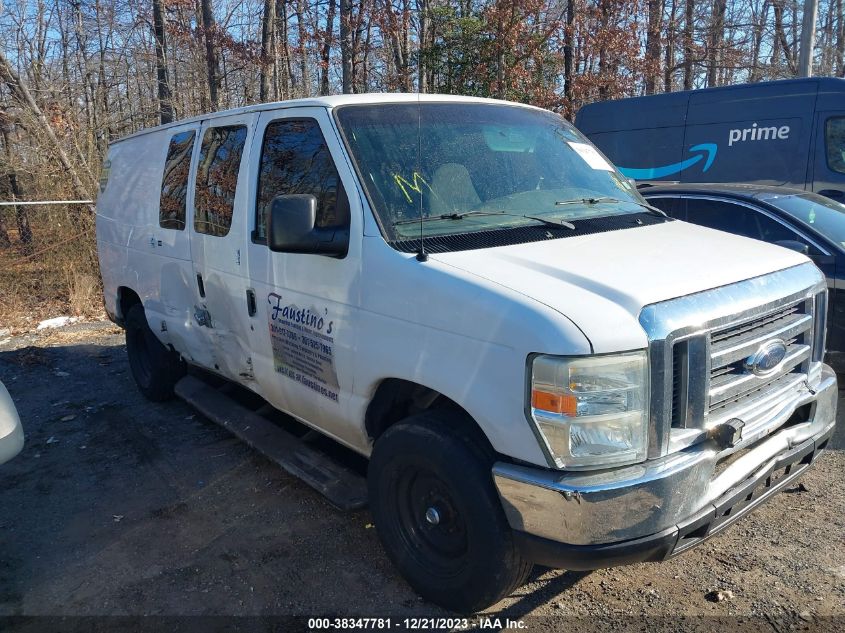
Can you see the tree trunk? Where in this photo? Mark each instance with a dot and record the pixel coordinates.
(422, 75)
(212, 63)
(780, 39)
(21, 216)
(689, 31)
(268, 50)
(568, 38)
(717, 36)
(652, 46)
(326, 52)
(840, 40)
(304, 68)
(165, 103)
(759, 27)
(346, 45)
(669, 61)
(288, 80)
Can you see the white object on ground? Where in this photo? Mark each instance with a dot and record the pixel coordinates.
(57, 322)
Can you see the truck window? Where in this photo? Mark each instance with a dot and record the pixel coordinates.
(834, 140)
(741, 220)
(217, 179)
(296, 159)
(721, 216)
(174, 181)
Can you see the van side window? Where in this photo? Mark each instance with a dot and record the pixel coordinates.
(834, 140)
(174, 181)
(217, 179)
(296, 159)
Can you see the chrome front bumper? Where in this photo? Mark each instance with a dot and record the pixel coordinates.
(664, 506)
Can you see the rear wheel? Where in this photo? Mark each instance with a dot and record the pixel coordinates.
(155, 368)
(438, 514)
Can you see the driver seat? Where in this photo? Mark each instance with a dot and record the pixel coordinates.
(453, 190)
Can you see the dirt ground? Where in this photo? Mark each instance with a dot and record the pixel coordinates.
(118, 506)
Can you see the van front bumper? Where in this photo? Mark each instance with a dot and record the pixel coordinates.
(662, 507)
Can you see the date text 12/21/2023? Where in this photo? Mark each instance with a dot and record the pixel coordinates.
(416, 624)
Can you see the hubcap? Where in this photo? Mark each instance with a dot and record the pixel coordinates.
(432, 516)
(430, 522)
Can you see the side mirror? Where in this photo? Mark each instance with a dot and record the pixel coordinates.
(795, 245)
(291, 228)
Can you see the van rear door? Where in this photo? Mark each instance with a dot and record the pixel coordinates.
(218, 238)
(829, 163)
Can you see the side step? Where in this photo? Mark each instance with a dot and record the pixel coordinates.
(344, 488)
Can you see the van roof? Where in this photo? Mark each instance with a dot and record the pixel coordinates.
(329, 102)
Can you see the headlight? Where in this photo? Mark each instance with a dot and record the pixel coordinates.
(592, 411)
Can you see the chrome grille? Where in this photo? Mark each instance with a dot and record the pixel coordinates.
(698, 345)
(730, 381)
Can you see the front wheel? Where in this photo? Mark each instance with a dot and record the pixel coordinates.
(438, 514)
(155, 368)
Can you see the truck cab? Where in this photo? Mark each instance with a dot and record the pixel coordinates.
(540, 367)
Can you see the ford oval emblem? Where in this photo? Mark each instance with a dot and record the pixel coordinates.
(767, 357)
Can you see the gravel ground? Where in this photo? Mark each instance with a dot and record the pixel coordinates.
(119, 506)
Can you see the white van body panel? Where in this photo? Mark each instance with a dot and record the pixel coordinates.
(454, 324)
(11, 431)
(602, 281)
(134, 251)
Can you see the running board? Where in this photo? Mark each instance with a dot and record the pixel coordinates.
(341, 486)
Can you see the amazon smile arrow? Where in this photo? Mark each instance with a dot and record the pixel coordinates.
(651, 173)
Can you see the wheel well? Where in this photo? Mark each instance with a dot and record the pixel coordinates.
(396, 399)
(126, 298)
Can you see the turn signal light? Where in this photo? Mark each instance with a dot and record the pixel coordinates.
(554, 402)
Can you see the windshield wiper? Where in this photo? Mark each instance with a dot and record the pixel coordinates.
(464, 214)
(447, 216)
(563, 203)
(609, 200)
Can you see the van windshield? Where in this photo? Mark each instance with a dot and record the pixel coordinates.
(476, 167)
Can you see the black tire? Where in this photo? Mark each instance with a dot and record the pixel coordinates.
(463, 557)
(155, 368)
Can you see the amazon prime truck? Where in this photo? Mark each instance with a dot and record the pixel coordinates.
(777, 133)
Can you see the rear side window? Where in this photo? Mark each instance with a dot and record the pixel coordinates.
(174, 181)
(741, 220)
(296, 159)
(217, 179)
(834, 140)
(723, 216)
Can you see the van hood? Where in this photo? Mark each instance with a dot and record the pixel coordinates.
(601, 282)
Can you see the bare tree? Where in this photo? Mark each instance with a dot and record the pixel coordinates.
(209, 28)
(268, 50)
(326, 51)
(165, 103)
(689, 31)
(346, 47)
(652, 47)
(715, 40)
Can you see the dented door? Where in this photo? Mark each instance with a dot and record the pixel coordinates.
(218, 238)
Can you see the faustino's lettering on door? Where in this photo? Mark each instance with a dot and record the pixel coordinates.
(303, 345)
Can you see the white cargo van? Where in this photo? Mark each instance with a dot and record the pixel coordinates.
(540, 367)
